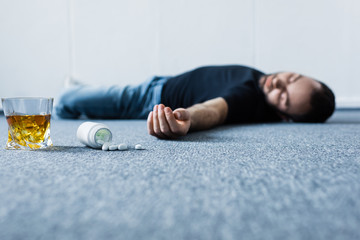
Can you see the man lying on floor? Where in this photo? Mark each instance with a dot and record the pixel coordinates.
(204, 98)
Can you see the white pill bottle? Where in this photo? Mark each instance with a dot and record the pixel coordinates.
(93, 134)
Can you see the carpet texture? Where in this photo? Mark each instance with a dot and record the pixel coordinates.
(263, 181)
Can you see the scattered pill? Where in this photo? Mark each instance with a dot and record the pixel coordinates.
(113, 147)
(122, 147)
(105, 146)
(139, 147)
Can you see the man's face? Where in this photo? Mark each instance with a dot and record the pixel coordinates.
(288, 92)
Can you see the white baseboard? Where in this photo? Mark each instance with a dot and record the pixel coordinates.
(341, 102)
(348, 102)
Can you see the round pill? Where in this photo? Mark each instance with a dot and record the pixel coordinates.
(122, 147)
(105, 146)
(139, 147)
(113, 147)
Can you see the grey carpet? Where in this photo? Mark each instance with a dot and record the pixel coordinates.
(265, 181)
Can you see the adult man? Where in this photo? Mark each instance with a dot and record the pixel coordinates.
(204, 98)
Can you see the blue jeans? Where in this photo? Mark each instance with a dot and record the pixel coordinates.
(114, 102)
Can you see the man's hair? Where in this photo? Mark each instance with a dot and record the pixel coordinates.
(322, 106)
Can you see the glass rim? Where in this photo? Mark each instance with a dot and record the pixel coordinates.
(27, 98)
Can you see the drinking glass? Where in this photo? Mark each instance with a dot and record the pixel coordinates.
(28, 121)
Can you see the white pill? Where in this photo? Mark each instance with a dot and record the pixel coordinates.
(122, 147)
(139, 147)
(113, 147)
(105, 146)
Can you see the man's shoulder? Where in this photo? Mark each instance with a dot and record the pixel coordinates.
(237, 69)
(229, 66)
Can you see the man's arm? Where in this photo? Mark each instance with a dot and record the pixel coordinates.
(164, 123)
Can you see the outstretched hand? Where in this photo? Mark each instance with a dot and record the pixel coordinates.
(164, 123)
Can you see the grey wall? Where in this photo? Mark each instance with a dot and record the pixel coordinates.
(124, 42)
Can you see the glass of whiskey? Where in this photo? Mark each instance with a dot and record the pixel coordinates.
(28, 121)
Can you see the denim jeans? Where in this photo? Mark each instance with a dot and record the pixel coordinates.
(114, 102)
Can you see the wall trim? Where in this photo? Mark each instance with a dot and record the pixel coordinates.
(348, 102)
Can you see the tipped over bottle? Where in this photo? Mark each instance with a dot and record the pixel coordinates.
(93, 134)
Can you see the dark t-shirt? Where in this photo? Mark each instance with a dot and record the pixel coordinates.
(238, 85)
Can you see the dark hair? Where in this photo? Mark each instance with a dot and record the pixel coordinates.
(322, 106)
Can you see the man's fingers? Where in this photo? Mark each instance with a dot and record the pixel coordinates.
(156, 123)
(173, 124)
(163, 123)
(150, 124)
(164, 126)
(182, 114)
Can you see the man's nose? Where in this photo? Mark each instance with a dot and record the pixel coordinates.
(278, 83)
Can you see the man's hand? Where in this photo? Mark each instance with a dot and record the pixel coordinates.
(164, 123)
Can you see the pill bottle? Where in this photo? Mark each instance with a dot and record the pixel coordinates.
(93, 134)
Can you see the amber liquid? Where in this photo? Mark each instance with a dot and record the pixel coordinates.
(28, 131)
